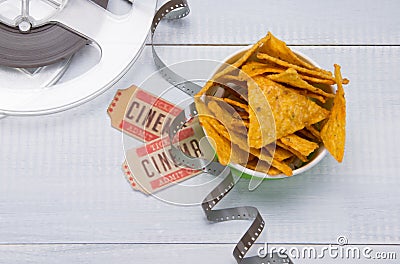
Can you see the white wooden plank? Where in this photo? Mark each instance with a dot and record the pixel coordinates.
(185, 253)
(60, 178)
(296, 22)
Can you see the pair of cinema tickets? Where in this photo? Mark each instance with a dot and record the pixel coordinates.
(146, 117)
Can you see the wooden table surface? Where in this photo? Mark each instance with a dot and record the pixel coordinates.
(64, 199)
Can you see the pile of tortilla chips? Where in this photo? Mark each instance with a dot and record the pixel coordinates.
(270, 109)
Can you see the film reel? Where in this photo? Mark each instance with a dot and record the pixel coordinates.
(25, 43)
(117, 38)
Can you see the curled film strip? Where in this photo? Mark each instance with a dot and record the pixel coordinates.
(176, 9)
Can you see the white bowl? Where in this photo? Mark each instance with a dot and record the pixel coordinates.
(317, 155)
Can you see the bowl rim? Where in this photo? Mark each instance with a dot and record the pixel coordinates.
(322, 151)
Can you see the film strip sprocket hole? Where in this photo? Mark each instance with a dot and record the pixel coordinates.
(219, 192)
(176, 9)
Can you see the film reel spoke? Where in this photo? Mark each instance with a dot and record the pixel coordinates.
(67, 28)
(53, 3)
(99, 25)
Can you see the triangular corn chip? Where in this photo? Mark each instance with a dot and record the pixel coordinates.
(223, 113)
(221, 139)
(281, 154)
(232, 102)
(314, 132)
(302, 145)
(274, 105)
(226, 151)
(252, 69)
(278, 49)
(319, 74)
(309, 94)
(292, 150)
(264, 156)
(248, 72)
(291, 77)
(236, 103)
(240, 141)
(273, 171)
(233, 66)
(265, 167)
(333, 133)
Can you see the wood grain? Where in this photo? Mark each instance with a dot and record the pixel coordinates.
(175, 253)
(60, 178)
(307, 22)
(63, 197)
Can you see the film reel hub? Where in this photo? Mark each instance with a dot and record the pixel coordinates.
(25, 14)
(28, 40)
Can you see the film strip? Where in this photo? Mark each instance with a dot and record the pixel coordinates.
(176, 9)
(219, 192)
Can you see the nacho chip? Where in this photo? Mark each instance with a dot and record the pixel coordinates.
(265, 167)
(316, 80)
(243, 115)
(259, 133)
(281, 154)
(345, 81)
(295, 152)
(226, 151)
(315, 96)
(245, 123)
(291, 77)
(205, 113)
(238, 92)
(234, 103)
(263, 56)
(245, 57)
(257, 165)
(233, 66)
(238, 104)
(241, 141)
(304, 133)
(333, 133)
(221, 145)
(302, 145)
(205, 88)
(309, 95)
(282, 167)
(264, 156)
(285, 108)
(261, 154)
(251, 71)
(238, 139)
(273, 171)
(293, 162)
(278, 49)
(254, 64)
(224, 114)
(228, 77)
(314, 132)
